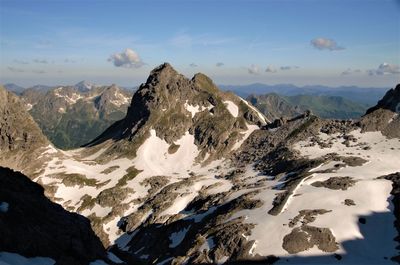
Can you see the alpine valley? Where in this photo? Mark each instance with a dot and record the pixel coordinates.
(189, 174)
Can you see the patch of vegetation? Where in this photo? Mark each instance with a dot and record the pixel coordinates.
(109, 170)
(132, 172)
(173, 148)
(112, 196)
(87, 203)
(80, 180)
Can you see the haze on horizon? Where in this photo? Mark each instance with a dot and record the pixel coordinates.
(303, 42)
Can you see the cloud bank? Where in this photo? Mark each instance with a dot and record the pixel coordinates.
(385, 69)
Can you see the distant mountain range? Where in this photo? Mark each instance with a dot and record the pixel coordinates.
(329, 107)
(82, 86)
(361, 95)
(71, 116)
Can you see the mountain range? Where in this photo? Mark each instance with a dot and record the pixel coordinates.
(328, 107)
(72, 116)
(194, 175)
(356, 94)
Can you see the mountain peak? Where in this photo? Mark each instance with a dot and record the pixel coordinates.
(173, 106)
(391, 101)
(84, 86)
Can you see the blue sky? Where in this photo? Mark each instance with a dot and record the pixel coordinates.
(330, 42)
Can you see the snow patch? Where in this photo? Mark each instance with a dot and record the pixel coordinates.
(232, 108)
(177, 237)
(245, 135)
(153, 157)
(260, 115)
(4, 207)
(111, 256)
(8, 258)
(98, 262)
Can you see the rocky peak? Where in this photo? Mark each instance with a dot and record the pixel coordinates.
(84, 86)
(173, 105)
(391, 101)
(384, 116)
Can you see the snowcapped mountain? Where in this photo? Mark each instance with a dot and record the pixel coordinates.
(71, 116)
(194, 175)
(84, 86)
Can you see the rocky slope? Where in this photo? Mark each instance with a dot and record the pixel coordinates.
(207, 179)
(384, 116)
(31, 225)
(73, 116)
(20, 137)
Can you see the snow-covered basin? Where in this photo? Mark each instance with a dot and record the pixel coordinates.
(372, 198)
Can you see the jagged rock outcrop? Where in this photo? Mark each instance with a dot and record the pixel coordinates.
(390, 101)
(384, 116)
(172, 105)
(20, 137)
(31, 225)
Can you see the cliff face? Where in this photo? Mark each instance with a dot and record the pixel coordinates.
(20, 137)
(384, 116)
(31, 225)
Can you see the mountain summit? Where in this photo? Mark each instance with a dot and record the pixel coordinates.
(173, 105)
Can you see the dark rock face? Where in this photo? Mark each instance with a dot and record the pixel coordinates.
(306, 237)
(34, 226)
(390, 101)
(384, 116)
(335, 183)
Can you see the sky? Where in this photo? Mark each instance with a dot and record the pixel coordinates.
(236, 42)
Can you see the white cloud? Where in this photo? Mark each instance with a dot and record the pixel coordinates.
(326, 44)
(219, 64)
(350, 71)
(270, 69)
(253, 69)
(128, 59)
(385, 69)
(193, 65)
